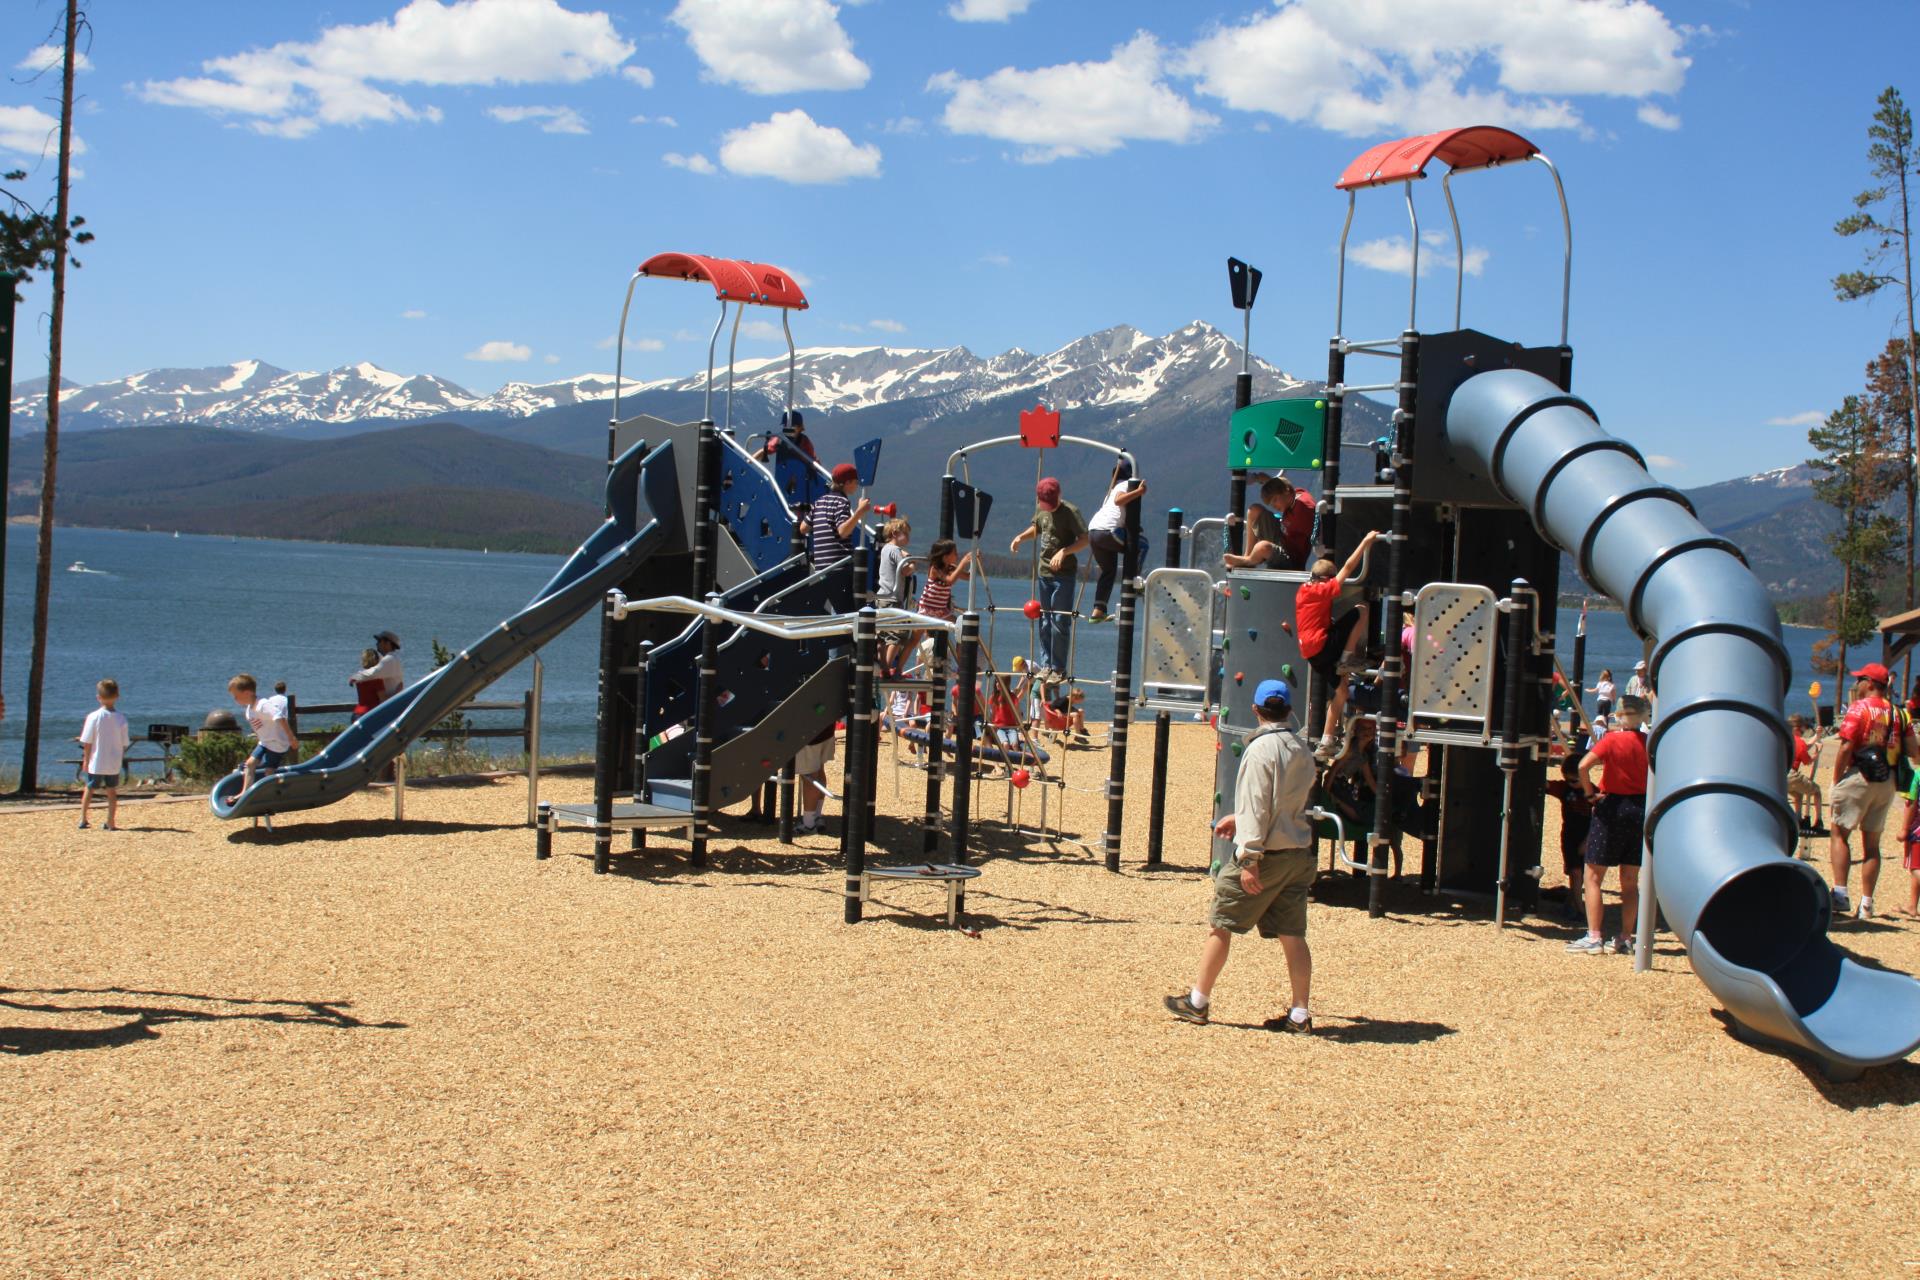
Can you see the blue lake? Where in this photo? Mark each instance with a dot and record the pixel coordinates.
(172, 618)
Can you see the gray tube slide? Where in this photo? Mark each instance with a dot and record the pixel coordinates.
(1753, 918)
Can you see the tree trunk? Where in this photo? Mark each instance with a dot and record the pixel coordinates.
(1913, 390)
(43, 569)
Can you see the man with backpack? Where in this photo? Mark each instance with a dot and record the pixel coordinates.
(1872, 737)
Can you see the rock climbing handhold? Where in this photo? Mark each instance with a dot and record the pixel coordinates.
(1246, 593)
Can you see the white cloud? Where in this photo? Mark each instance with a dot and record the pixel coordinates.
(1665, 462)
(1394, 254)
(550, 119)
(995, 258)
(550, 359)
(695, 163)
(665, 122)
(499, 350)
(1076, 108)
(771, 46)
(30, 131)
(688, 335)
(1657, 117)
(290, 89)
(986, 10)
(887, 326)
(1372, 66)
(48, 57)
(1810, 418)
(413, 313)
(790, 146)
(633, 344)
(762, 331)
(903, 125)
(642, 76)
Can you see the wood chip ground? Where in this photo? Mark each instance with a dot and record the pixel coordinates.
(354, 1049)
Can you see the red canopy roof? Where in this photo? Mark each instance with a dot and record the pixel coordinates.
(733, 279)
(1471, 148)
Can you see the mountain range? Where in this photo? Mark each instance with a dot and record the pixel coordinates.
(1165, 398)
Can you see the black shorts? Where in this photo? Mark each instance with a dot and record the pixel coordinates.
(1619, 831)
(1327, 661)
(1574, 829)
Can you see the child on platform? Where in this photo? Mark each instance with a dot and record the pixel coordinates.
(104, 739)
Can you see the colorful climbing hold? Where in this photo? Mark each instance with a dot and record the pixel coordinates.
(1253, 633)
(1286, 671)
(1236, 748)
(1239, 677)
(1246, 593)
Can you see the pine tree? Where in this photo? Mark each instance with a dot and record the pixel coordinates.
(1889, 261)
(1857, 469)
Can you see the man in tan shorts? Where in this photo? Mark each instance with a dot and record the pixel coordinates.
(1265, 885)
(1870, 734)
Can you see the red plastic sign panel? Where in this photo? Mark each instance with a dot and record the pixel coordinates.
(1039, 428)
(733, 279)
(1405, 158)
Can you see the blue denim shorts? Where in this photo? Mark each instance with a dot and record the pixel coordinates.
(99, 780)
(269, 759)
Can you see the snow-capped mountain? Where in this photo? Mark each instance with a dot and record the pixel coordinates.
(1112, 369)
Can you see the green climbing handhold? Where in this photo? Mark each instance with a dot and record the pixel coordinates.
(1286, 671)
(1236, 748)
(1252, 634)
(1226, 643)
(819, 708)
(1246, 593)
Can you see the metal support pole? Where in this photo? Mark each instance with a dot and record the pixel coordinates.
(1122, 684)
(862, 724)
(1162, 725)
(796, 546)
(946, 506)
(1387, 716)
(936, 674)
(7, 282)
(707, 703)
(640, 792)
(533, 741)
(849, 780)
(1519, 628)
(400, 787)
(1649, 906)
(1326, 517)
(963, 708)
(1579, 689)
(605, 768)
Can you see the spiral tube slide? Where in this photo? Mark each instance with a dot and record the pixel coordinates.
(1753, 918)
(603, 561)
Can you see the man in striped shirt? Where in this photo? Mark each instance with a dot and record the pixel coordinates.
(831, 527)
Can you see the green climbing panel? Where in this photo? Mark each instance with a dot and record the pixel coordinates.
(1277, 435)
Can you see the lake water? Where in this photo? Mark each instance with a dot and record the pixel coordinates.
(172, 618)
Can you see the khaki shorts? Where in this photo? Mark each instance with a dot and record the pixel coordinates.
(1859, 805)
(1279, 909)
(1801, 787)
(813, 758)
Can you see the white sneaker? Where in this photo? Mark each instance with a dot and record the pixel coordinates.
(1842, 905)
(1865, 910)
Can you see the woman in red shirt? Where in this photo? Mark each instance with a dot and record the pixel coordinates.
(1619, 824)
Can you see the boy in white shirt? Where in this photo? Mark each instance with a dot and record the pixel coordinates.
(268, 719)
(104, 739)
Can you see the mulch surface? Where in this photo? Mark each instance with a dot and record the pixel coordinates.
(351, 1048)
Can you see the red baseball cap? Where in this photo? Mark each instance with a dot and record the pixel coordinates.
(844, 472)
(1875, 672)
(1048, 491)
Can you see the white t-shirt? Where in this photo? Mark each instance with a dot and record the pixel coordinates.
(1603, 691)
(107, 733)
(890, 557)
(1636, 686)
(268, 716)
(1111, 516)
(388, 669)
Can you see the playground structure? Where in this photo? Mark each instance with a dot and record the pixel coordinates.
(723, 649)
(1495, 470)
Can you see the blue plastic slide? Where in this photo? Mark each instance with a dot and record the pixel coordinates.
(643, 497)
(1754, 919)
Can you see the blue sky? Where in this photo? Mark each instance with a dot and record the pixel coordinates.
(425, 184)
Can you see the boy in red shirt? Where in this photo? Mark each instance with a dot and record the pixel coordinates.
(1326, 640)
(1619, 824)
(1802, 785)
